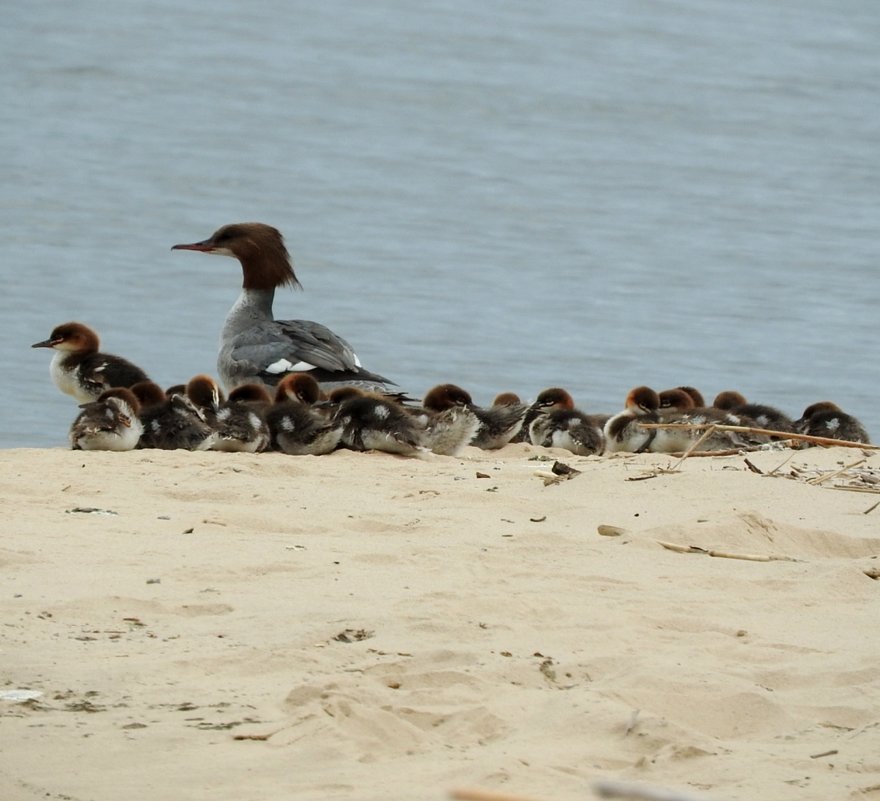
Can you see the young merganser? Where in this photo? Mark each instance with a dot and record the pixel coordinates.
(108, 424)
(80, 370)
(826, 419)
(171, 420)
(295, 426)
(371, 422)
(256, 347)
(675, 400)
(238, 421)
(559, 424)
(500, 423)
(763, 416)
(696, 396)
(624, 432)
(450, 423)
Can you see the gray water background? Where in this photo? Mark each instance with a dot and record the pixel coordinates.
(506, 195)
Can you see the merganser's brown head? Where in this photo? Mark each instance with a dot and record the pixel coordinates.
(696, 396)
(120, 394)
(729, 399)
(817, 408)
(507, 399)
(340, 395)
(204, 392)
(260, 248)
(642, 400)
(299, 387)
(676, 399)
(445, 396)
(555, 398)
(71, 338)
(250, 393)
(149, 393)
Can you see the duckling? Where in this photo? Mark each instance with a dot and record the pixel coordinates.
(78, 368)
(295, 426)
(108, 424)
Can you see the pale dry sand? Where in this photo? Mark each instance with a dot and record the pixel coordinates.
(506, 644)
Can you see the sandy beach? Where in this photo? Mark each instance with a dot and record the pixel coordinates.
(360, 626)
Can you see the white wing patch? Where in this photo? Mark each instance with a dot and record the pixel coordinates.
(285, 366)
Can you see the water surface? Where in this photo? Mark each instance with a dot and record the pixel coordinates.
(507, 196)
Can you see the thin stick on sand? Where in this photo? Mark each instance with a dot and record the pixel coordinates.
(835, 473)
(748, 557)
(706, 434)
(845, 443)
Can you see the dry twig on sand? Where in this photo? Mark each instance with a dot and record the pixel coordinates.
(828, 441)
(749, 557)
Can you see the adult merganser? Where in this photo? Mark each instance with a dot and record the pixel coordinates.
(762, 416)
(238, 421)
(826, 419)
(297, 428)
(450, 423)
(171, 420)
(79, 369)
(256, 347)
(559, 424)
(108, 424)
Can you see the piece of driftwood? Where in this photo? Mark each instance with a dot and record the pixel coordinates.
(748, 557)
(782, 464)
(606, 788)
(479, 794)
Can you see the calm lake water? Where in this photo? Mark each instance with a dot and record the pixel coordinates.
(506, 195)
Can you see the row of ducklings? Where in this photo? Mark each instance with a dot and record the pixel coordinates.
(299, 420)
(302, 420)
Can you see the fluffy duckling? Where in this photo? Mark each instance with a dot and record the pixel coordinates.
(763, 416)
(295, 426)
(448, 419)
(238, 421)
(624, 432)
(560, 425)
(171, 421)
(375, 423)
(108, 424)
(78, 368)
(826, 419)
(500, 423)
